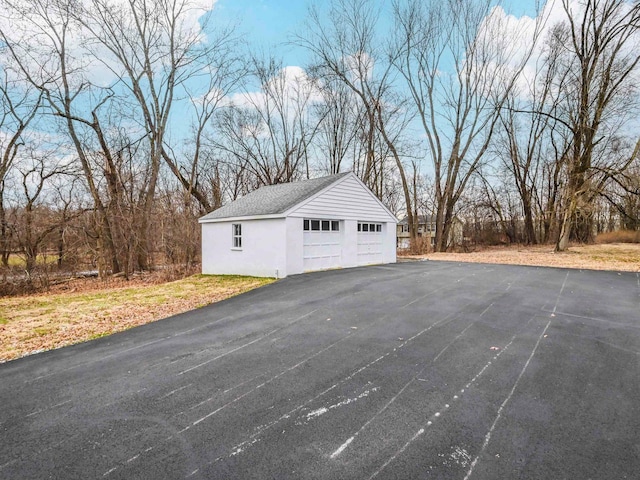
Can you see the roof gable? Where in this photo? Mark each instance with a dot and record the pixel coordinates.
(272, 199)
(347, 198)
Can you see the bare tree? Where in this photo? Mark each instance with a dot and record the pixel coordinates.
(268, 132)
(154, 50)
(602, 51)
(458, 107)
(524, 142)
(340, 115)
(346, 49)
(39, 46)
(17, 110)
(196, 166)
(35, 172)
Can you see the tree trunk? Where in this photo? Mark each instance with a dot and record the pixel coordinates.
(529, 227)
(4, 233)
(565, 224)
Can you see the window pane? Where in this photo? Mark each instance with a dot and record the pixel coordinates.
(315, 224)
(379, 227)
(365, 227)
(325, 225)
(335, 225)
(372, 227)
(359, 227)
(306, 225)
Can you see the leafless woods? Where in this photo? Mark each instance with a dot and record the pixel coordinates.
(123, 121)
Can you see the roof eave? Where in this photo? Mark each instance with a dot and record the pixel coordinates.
(242, 218)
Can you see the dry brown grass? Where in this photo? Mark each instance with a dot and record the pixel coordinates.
(621, 257)
(619, 236)
(91, 309)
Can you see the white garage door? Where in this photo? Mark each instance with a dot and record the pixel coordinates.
(322, 244)
(369, 243)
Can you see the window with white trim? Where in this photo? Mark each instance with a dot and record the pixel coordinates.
(320, 225)
(369, 227)
(236, 230)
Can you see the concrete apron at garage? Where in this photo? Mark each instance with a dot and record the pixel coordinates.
(413, 370)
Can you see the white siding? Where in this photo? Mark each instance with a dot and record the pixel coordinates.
(346, 200)
(263, 253)
(294, 246)
(271, 245)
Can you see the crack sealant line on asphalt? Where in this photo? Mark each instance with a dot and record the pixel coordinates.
(447, 318)
(10, 462)
(555, 307)
(430, 292)
(262, 337)
(455, 398)
(380, 319)
(602, 342)
(207, 400)
(240, 447)
(96, 360)
(287, 415)
(342, 447)
(120, 352)
(176, 390)
(487, 437)
(595, 319)
(200, 420)
(48, 408)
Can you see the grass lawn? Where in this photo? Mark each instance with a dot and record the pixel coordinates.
(33, 323)
(16, 260)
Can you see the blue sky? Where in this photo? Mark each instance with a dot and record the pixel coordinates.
(268, 24)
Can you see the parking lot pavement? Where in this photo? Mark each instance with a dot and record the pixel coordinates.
(413, 370)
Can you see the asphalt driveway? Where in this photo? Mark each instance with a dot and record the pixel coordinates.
(414, 370)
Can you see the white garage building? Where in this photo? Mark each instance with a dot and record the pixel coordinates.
(280, 230)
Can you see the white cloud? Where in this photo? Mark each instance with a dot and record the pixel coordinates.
(34, 27)
(292, 82)
(516, 35)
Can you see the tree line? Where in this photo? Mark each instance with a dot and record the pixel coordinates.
(122, 122)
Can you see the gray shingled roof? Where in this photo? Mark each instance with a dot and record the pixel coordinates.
(273, 199)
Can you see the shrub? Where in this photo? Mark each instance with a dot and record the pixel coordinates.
(419, 246)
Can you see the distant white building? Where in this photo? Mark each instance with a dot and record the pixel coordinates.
(427, 229)
(289, 228)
